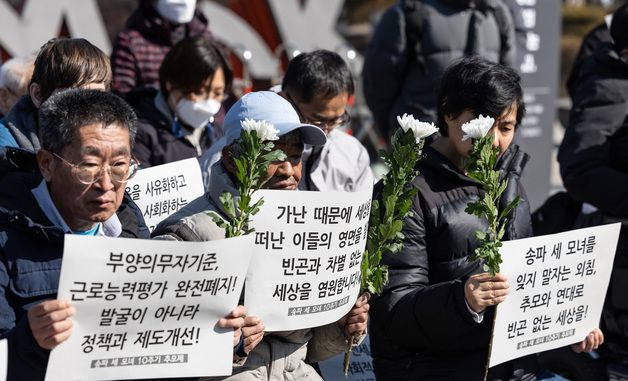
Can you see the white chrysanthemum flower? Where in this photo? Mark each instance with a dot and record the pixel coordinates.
(265, 130)
(477, 128)
(420, 130)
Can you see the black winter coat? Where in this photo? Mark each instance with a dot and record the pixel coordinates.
(421, 327)
(593, 161)
(415, 41)
(594, 149)
(599, 35)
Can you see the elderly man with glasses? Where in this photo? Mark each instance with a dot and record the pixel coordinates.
(74, 185)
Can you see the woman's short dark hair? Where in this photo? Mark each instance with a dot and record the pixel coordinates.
(190, 62)
(480, 86)
(320, 72)
(70, 62)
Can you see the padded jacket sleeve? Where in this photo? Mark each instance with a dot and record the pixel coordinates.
(27, 360)
(412, 312)
(327, 341)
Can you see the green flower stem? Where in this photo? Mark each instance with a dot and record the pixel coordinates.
(386, 220)
(480, 167)
(251, 163)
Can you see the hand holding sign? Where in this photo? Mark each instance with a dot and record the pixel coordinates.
(253, 332)
(234, 320)
(249, 327)
(590, 343)
(146, 309)
(354, 323)
(50, 322)
(559, 283)
(484, 290)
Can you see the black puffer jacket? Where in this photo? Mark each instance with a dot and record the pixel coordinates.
(421, 327)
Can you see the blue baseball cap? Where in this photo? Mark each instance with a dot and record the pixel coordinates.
(274, 109)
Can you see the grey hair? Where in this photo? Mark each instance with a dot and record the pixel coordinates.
(63, 114)
(15, 74)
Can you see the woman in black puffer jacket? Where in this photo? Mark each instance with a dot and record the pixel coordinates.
(433, 320)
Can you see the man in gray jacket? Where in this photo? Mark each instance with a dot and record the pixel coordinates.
(319, 85)
(279, 356)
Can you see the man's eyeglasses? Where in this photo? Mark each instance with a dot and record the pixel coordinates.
(324, 124)
(342, 120)
(89, 173)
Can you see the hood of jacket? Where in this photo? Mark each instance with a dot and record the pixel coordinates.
(144, 103)
(219, 183)
(19, 209)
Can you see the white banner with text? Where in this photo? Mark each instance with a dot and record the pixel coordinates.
(148, 308)
(162, 190)
(309, 272)
(558, 284)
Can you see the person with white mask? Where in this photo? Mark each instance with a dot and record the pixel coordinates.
(176, 11)
(151, 30)
(176, 122)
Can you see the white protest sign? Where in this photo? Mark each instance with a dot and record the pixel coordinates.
(162, 190)
(148, 309)
(308, 273)
(4, 359)
(360, 365)
(558, 284)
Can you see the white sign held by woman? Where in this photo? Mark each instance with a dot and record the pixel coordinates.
(558, 284)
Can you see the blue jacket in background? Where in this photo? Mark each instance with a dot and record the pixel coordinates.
(6, 139)
(23, 125)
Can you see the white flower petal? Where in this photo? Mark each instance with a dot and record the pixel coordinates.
(420, 130)
(477, 128)
(265, 131)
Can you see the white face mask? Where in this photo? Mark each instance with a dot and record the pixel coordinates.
(177, 11)
(197, 114)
